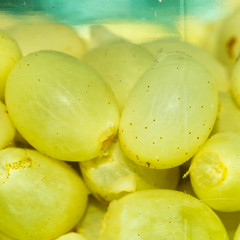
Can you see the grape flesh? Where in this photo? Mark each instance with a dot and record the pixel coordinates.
(215, 170)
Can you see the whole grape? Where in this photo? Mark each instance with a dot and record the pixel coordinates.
(61, 106)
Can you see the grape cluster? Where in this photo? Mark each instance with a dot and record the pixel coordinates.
(104, 136)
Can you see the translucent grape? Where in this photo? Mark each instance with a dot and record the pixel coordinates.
(215, 170)
(121, 64)
(236, 82)
(35, 36)
(40, 198)
(61, 106)
(172, 44)
(9, 55)
(229, 40)
(169, 113)
(72, 236)
(228, 117)
(113, 175)
(161, 214)
(89, 226)
(7, 130)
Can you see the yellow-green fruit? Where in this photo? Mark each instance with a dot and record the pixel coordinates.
(228, 116)
(7, 130)
(237, 233)
(121, 64)
(113, 175)
(169, 113)
(89, 226)
(72, 236)
(40, 198)
(35, 36)
(4, 237)
(236, 81)
(160, 214)
(215, 170)
(174, 45)
(61, 106)
(228, 43)
(9, 55)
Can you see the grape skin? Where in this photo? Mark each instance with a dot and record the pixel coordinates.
(41, 198)
(169, 113)
(7, 130)
(169, 214)
(61, 106)
(10, 53)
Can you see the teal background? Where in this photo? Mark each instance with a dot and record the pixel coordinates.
(92, 11)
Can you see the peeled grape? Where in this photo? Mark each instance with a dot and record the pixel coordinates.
(215, 170)
(7, 130)
(229, 40)
(121, 64)
(35, 36)
(89, 226)
(9, 55)
(40, 198)
(169, 113)
(72, 236)
(160, 214)
(228, 117)
(112, 175)
(172, 44)
(61, 106)
(236, 81)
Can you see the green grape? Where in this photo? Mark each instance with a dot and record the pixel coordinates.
(9, 55)
(40, 198)
(228, 43)
(169, 113)
(112, 175)
(160, 214)
(7, 130)
(4, 237)
(215, 170)
(228, 117)
(121, 64)
(72, 236)
(172, 44)
(89, 226)
(43, 35)
(236, 82)
(99, 35)
(61, 106)
(237, 233)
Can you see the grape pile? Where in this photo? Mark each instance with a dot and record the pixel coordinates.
(115, 136)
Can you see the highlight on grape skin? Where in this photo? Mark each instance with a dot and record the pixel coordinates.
(41, 198)
(51, 98)
(112, 175)
(169, 113)
(215, 170)
(170, 214)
